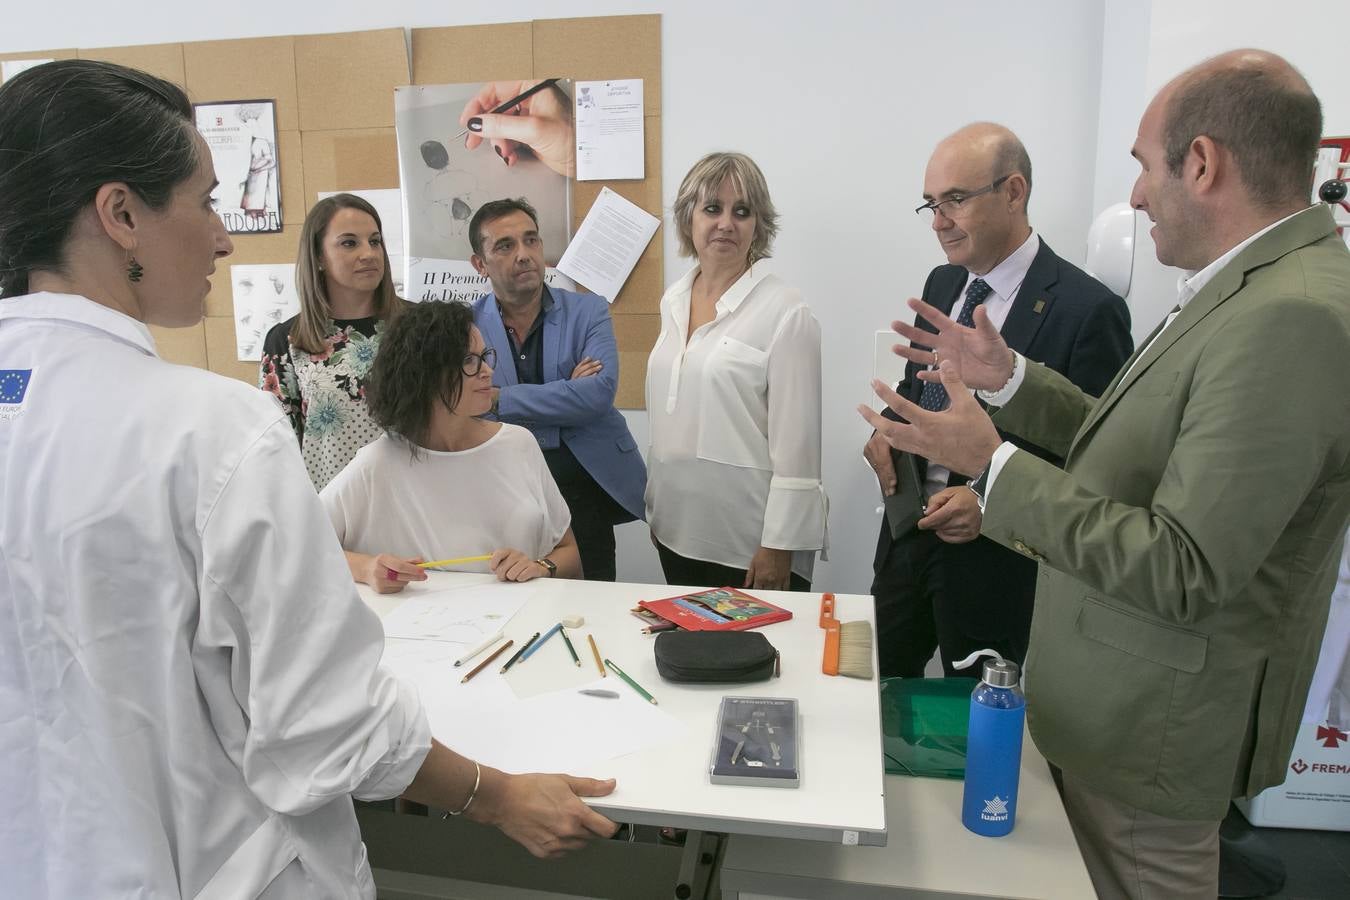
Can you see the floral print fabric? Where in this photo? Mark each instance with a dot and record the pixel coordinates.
(324, 394)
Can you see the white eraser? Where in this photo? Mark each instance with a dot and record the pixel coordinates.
(573, 621)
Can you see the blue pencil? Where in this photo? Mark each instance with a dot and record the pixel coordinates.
(529, 651)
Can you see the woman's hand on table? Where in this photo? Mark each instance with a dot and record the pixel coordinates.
(385, 572)
(769, 570)
(509, 564)
(543, 813)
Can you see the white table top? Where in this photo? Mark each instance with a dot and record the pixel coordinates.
(930, 853)
(841, 798)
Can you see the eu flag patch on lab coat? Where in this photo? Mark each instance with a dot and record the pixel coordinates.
(14, 385)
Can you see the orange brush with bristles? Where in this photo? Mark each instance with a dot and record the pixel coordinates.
(848, 645)
(830, 662)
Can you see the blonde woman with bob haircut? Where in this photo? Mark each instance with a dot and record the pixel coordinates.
(734, 495)
(316, 363)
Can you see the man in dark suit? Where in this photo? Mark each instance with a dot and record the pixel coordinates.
(938, 584)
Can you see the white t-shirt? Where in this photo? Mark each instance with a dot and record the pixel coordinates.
(448, 504)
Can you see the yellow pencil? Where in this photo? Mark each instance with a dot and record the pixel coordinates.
(436, 563)
(596, 650)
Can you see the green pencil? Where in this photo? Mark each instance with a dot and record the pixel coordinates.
(570, 648)
(631, 683)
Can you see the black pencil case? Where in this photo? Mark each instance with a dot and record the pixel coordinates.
(715, 657)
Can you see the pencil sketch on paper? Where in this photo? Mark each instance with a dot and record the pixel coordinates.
(444, 183)
(264, 295)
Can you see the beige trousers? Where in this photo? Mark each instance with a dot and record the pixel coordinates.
(1133, 854)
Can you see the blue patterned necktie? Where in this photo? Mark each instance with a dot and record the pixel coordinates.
(934, 396)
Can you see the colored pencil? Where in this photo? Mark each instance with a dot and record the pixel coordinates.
(478, 649)
(596, 650)
(522, 649)
(436, 563)
(631, 683)
(570, 648)
(484, 664)
(548, 634)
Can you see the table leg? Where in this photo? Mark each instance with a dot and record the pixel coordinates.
(701, 852)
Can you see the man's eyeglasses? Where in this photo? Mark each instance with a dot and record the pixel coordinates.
(473, 363)
(952, 206)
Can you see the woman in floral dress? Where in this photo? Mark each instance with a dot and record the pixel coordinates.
(316, 363)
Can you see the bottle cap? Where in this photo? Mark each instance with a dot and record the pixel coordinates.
(1000, 673)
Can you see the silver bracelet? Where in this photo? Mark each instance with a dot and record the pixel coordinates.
(477, 779)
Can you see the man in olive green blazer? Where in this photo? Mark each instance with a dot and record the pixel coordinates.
(1188, 546)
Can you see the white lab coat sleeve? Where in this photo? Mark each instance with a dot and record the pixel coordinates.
(319, 716)
(795, 515)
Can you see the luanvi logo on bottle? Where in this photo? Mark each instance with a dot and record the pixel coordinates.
(995, 810)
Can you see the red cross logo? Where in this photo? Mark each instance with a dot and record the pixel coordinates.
(1331, 736)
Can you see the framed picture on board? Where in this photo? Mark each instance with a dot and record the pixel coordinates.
(242, 136)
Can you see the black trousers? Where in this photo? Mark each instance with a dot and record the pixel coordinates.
(954, 598)
(594, 515)
(698, 573)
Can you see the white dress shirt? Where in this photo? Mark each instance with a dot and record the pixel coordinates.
(190, 688)
(1004, 280)
(734, 462)
(1188, 285)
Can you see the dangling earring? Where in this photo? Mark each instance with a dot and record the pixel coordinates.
(134, 269)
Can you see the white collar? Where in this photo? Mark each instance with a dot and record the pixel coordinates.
(75, 308)
(734, 295)
(1006, 277)
(1191, 283)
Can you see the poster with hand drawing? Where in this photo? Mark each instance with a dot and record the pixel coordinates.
(447, 175)
(242, 136)
(264, 296)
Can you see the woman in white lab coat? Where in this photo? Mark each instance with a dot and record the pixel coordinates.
(190, 690)
(734, 495)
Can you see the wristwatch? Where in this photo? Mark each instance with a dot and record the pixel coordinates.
(548, 564)
(979, 485)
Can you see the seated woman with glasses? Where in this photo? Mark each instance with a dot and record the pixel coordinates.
(442, 483)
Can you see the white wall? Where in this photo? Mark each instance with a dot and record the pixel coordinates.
(1146, 44)
(840, 103)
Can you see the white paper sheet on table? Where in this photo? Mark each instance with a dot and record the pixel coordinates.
(562, 731)
(459, 616)
(608, 244)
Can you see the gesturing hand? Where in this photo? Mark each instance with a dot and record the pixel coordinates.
(962, 437)
(980, 355)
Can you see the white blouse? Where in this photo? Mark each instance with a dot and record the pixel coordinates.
(734, 462)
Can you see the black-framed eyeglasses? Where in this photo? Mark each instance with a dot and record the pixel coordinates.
(473, 363)
(951, 207)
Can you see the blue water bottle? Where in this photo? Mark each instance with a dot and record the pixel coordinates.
(994, 747)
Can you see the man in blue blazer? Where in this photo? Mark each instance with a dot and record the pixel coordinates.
(937, 583)
(557, 372)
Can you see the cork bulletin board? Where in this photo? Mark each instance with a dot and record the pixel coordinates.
(334, 96)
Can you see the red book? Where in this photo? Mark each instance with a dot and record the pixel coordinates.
(717, 609)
